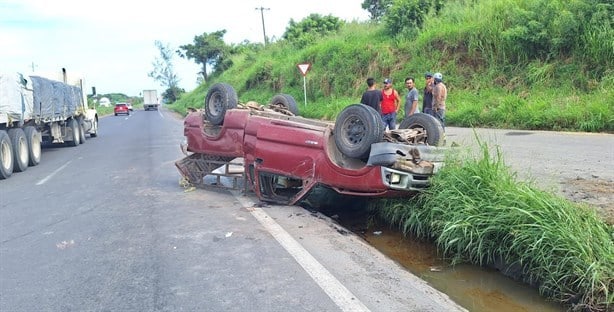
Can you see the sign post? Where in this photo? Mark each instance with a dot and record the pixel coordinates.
(304, 68)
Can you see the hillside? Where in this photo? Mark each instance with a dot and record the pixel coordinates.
(501, 68)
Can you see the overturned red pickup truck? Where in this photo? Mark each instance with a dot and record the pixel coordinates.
(286, 158)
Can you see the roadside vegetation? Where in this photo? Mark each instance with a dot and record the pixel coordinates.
(523, 64)
(520, 64)
(476, 211)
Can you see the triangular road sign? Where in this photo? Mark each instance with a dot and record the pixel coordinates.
(304, 68)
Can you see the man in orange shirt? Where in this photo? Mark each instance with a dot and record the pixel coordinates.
(390, 105)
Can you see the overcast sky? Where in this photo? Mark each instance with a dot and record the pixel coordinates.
(111, 43)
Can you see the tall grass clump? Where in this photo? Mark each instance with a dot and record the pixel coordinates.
(477, 212)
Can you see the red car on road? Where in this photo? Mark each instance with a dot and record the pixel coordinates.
(121, 108)
(287, 157)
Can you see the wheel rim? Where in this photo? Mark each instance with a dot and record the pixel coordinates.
(354, 130)
(23, 150)
(7, 157)
(36, 146)
(215, 104)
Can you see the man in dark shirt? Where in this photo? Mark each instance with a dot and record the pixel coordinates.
(372, 97)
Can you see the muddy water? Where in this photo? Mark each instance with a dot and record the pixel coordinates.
(476, 288)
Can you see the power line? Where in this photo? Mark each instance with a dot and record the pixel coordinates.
(262, 16)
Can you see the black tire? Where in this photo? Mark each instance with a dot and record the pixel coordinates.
(81, 131)
(430, 124)
(356, 128)
(286, 101)
(20, 149)
(74, 129)
(6, 156)
(220, 98)
(33, 138)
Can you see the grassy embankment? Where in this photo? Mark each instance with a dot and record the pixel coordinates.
(491, 82)
(475, 210)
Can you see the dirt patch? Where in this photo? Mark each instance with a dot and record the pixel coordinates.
(596, 192)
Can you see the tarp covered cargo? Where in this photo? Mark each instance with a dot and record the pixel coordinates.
(55, 100)
(15, 98)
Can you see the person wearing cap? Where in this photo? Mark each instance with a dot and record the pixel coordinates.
(427, 95)
(372, 97)
(412, 97)
(390, 104)
(440, 94)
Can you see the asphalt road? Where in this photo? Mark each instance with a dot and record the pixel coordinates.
(105, 226)
(578, 166)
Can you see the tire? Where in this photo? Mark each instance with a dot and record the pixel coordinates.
(220, 98)
(33, 138)
(20, 149)
(430, 124)
(356, 128)
(81, 131)
(6, 156)
(286, 101)
(94, 131)
(74, 129)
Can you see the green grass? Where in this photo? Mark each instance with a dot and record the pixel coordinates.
(490, 83)
(477, 212)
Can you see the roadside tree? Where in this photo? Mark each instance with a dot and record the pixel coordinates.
(164, 73)
(311, 27)
(208, 49)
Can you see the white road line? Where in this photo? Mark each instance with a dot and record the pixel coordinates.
(344, 299)
(53, 173)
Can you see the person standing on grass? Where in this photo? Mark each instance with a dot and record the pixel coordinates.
(390, 105)
(411, 99)
(427, 95)
(440, 93)
(372, 96)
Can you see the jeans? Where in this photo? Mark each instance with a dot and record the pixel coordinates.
(441, 115)
(390, 120)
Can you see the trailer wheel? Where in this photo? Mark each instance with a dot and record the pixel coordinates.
(74, 129)
(220, 98)
(6, 156)
(285, 101)
(34, 145)
(356, 128)
(20, 149)
(430, 124)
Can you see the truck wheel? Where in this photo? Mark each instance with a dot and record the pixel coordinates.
(34, 145)
(81, 131)
(286, 101)
(20, 149)
(356, 128)
(6, 156)
(220, 98)
(74, 129)
(430, 124)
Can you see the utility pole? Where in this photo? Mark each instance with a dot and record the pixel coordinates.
(262, 16)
